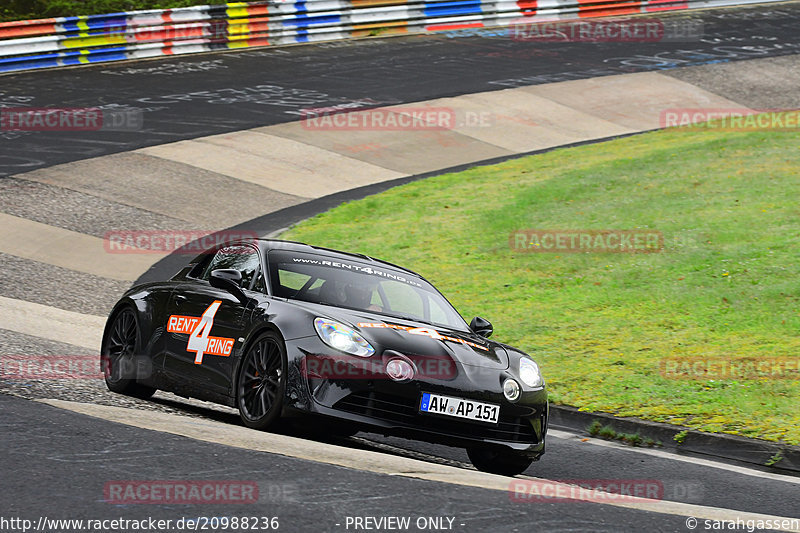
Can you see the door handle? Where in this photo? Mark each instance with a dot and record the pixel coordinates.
(179, 299)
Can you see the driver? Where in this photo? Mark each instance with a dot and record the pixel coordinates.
(359, 297)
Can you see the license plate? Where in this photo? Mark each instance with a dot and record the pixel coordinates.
(459, 407)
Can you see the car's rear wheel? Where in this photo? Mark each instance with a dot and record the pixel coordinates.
(119, 357)
(495, 461)
(262, 381)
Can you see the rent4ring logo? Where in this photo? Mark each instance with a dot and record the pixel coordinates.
(70, 119)
(199, 329)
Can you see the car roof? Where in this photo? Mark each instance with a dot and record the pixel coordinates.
(278, 244)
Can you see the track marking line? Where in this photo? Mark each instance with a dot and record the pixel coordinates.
(674, 457)
(370, 461)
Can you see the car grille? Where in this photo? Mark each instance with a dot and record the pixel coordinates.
(404, 410)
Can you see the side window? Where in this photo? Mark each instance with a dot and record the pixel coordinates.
(200, 266)
(241, 258)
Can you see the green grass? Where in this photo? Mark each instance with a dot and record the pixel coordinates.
(725, 286)
(607, 432)
(33, 9)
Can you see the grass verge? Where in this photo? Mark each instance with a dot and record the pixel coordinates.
(724, 287)
(607, 432)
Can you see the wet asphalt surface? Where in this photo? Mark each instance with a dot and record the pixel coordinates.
(167, 100)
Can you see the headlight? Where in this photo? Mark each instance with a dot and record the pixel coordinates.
(342, 338)
(529, 373)
(511, 390)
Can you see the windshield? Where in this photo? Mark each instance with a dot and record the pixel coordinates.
(361, 287)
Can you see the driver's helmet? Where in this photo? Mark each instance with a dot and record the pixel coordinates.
(357, 296)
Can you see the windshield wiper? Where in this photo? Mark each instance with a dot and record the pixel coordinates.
(404, 317)
(416, 319)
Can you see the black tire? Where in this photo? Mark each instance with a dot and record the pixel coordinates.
(504, 463)
(261, 384)
(120, 359)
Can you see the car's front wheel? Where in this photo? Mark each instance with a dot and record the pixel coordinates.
(502, 462)
(119, 357)
(262, 381)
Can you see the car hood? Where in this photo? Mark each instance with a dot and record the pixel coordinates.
(417, 339)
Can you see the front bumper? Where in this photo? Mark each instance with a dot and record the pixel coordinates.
(379, 404)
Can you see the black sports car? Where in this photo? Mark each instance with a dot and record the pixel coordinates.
(281, 329)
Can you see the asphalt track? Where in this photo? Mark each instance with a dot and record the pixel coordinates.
(196, 96)
(56, 462)
(305, 496)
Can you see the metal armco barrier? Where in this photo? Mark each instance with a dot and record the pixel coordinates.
(44, 43)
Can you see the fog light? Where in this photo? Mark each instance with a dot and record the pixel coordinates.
(511, 390)
(399, 370)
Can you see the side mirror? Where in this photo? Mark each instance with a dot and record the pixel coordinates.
(229, 279)
(481, 326)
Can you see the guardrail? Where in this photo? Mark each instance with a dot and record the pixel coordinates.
(44, 43)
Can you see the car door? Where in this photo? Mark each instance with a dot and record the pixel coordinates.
(206, 323)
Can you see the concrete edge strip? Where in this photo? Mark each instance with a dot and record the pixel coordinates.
(68, 249)
(38, 320)
(284, 156)
(366, 460)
